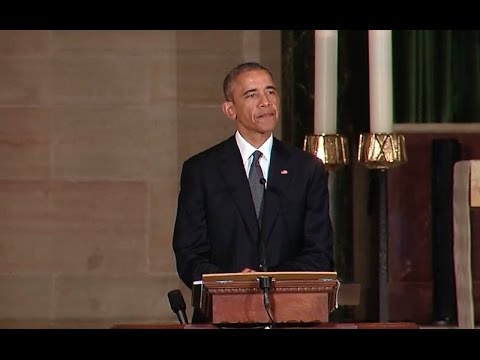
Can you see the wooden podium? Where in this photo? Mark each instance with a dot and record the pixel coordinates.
(295, 297)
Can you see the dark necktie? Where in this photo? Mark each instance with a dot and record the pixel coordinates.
(257, 184)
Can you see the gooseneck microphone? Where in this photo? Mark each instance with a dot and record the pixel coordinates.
(264, 282)
(177, 303)
(263, 258)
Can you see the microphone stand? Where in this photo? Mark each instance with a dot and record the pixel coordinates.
(264, 282)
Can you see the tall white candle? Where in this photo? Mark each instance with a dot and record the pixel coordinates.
(325, 98)
(380, 68)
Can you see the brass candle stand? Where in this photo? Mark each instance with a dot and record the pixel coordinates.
(380, 152)
(332, 149)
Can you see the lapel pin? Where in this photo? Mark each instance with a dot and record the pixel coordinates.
(284, 172)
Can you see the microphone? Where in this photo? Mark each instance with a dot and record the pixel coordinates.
(177, 303)
(263, 259)
(264, 282)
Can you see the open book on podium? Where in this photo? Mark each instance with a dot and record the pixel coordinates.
(294, 296)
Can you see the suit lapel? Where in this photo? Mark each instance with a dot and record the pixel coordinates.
(278, 182)
(237, 182)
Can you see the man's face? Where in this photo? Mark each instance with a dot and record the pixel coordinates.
(255, 103)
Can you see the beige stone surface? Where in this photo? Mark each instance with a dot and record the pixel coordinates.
(163, 79)
(25, 140)
(202, 42)
(251, 45)
(200, 77)
(25, 42)
(26, 242)
(26, 297)
(115, 142)
(99, 80)
(163, 209)
(25, 81)
(44, 324)
(113, 42)
(270, 40)
(200, 128)
(99, 227)
(72, 227)
(124, 297)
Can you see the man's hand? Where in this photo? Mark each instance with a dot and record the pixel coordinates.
(247, 270)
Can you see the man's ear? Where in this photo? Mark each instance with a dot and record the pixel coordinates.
(229, 110)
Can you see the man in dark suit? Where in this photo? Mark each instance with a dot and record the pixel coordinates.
(217, 227)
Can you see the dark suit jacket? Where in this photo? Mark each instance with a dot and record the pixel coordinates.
(216, 229)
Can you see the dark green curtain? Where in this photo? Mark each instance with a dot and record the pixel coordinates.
(436, 76)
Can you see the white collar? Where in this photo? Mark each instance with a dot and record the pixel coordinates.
(246, 149)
